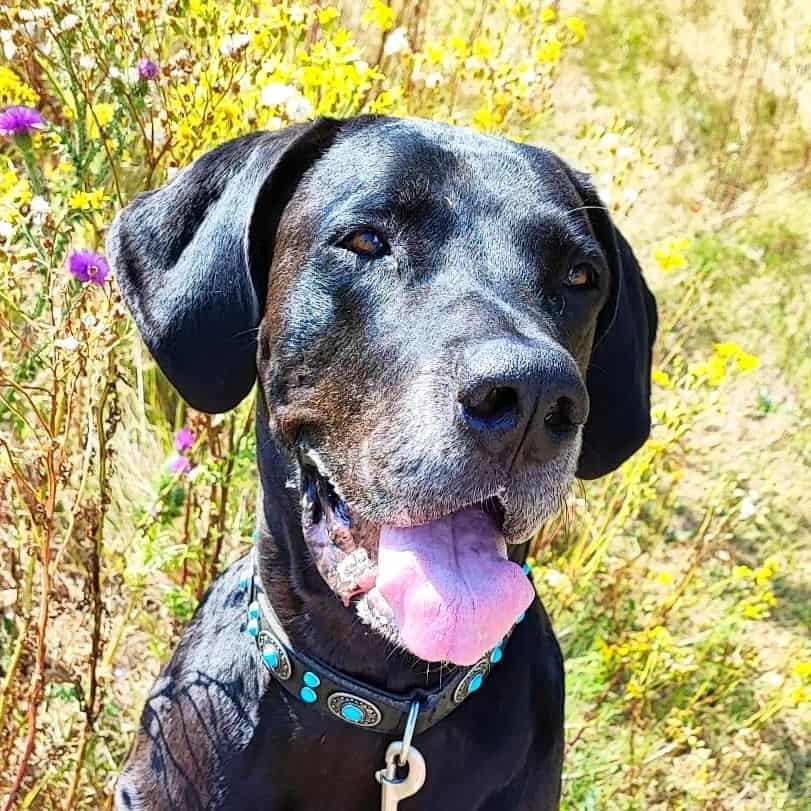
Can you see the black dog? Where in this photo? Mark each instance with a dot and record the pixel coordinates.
(446, 329)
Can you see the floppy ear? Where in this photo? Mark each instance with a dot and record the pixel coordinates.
(618, 378)
(192, 258)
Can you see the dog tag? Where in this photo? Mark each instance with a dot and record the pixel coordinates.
(393, 788)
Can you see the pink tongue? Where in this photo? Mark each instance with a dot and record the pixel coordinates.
(453, 595)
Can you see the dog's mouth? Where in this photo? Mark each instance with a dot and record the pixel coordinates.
(444, 589)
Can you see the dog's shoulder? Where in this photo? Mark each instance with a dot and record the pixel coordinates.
(202, 710)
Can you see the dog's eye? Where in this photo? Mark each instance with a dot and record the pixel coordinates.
(579, 275)
(366, 243)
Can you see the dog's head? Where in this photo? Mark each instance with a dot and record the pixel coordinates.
(447, 329)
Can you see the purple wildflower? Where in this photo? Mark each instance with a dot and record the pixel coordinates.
(20, 121)
(147, 70)
(184, 439)
(180, 465)
(87, 266)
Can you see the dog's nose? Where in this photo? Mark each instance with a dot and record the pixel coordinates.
(513, 393)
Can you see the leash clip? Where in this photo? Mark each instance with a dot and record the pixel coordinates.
(402, 754)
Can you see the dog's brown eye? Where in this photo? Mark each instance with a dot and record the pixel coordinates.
(366, 243)
(579, 275)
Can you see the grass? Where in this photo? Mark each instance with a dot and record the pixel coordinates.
(678, 586)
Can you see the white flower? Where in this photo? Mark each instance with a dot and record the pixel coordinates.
(277, 93)
(234, 43)
(747, 509)
(6, 230)
(87, 62)
(298, 108)
(68, 344)
(528, 76)
(39, 208)
(9, 48)
(396, 42)
(157, 133)
(298, 14)
(69, 22)
(39, 205)
(434, 79)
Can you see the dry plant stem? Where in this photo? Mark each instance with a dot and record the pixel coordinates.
(14, 662)
(95, 585)
(44, 536)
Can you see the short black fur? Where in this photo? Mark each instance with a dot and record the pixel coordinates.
(232, 269)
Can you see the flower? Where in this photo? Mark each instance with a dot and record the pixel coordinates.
(87, 200)
(277, 93)
(328, 15)
(550, 51)
(233, 44)
(670, 254)
(577, 27)
(180, 465)
(380, 14)
(69, 22)
(298, 107)
(20, 121)
(147, 70)
(87, 266)
(184, 439)
(396, 42)
(661, 379)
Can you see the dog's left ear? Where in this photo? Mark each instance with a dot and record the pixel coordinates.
(192, 258)
(618, 378)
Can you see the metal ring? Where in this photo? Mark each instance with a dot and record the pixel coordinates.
(411, 724)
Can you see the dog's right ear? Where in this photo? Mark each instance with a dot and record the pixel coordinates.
(192, 258)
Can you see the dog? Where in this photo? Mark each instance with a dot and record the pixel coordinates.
(447, 329)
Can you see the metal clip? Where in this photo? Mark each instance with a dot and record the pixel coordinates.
(394, 789)
(402, 754)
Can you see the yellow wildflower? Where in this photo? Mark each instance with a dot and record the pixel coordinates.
(87, 201)
(577, 27)
(435, 53)
(380, 15)
(731, 350)
(548, 15)
(486, 119)
(747, 362)
(482, 48)
(670, 254)
(458, 46)
(803, 669)
(661, 379)
(104, 113)
(327, 15)
(727, 349)
(13, 90)
(550, 51)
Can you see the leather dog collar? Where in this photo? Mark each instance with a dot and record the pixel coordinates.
(358, 704)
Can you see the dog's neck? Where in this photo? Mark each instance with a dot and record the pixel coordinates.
(315, 620)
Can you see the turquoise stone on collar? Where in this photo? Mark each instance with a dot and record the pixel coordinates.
(353, 703)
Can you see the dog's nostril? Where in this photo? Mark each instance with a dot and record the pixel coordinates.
(560, 417)
(496, 409)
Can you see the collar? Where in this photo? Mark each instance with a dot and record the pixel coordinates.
(357, 704)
